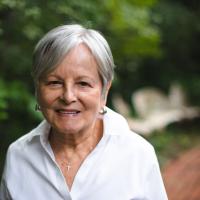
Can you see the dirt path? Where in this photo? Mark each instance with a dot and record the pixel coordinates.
(182, 176)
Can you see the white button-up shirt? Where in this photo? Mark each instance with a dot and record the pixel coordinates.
(123, 166)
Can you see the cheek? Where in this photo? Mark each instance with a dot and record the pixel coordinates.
(46, 97)
(93, 99)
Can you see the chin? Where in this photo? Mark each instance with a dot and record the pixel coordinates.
(66, 130)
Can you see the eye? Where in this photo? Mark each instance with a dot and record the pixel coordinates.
(54, 83)
(84, 84)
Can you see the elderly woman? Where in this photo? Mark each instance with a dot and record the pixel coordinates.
(82, 150)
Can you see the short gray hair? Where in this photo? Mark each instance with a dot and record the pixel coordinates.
(53, 47)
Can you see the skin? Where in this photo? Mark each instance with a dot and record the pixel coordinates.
(70, 98)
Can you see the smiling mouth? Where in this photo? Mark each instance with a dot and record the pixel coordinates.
(67, 112)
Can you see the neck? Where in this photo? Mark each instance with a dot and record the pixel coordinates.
(65, 143)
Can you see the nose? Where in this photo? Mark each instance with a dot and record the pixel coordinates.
(68, 95)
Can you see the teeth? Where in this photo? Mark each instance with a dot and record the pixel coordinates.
(68, 112)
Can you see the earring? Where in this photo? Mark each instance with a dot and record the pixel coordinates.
(103, 111)
(37, 108)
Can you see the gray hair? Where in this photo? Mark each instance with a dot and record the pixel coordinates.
(53, 47)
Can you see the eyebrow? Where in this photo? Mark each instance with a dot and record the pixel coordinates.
(53, 75)
(77, 78)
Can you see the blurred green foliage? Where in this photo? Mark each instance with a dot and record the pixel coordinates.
(154, 43)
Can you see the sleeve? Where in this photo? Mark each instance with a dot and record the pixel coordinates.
(154, 186)
(4, 193)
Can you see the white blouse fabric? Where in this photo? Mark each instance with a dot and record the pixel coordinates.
(123, 166)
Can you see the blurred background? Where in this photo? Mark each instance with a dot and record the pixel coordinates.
(155, 44)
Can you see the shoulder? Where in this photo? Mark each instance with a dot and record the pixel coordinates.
(20, 143)
(138, 140)
(136, 144)
(136, 152)
(29, 138)
(125, 140)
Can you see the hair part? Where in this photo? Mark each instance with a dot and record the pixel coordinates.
(54, 46)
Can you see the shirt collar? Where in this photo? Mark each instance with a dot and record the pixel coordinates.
(41, 130)
(114, 123)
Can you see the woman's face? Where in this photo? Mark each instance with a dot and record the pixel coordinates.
(71, 96)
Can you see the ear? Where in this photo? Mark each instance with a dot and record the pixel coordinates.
(105, 95)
